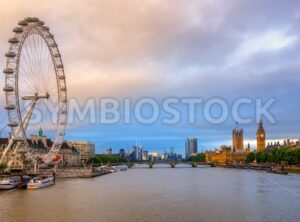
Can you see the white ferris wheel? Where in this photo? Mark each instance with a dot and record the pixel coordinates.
(35, 90)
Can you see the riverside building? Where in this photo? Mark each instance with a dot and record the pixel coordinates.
(86, 149)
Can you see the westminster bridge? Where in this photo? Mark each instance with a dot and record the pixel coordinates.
(172, 164)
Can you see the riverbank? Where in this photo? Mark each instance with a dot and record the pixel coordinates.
(289, 169)
(293, 169)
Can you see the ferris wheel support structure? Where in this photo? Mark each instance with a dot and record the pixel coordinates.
(26, 120)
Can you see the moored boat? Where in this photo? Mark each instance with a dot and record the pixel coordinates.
(113, 169)
(25, 181)
(213, 165)
(10, 182)
(123, 168)
(41, 181)
(277, 171)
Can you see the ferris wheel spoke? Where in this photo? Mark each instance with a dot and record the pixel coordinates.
(35, 61)
(29, 83)
(29, 65)
(37, 54)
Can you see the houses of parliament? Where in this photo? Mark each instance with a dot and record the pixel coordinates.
(237, 152)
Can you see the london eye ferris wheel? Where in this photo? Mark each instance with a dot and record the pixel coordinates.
(35, 89)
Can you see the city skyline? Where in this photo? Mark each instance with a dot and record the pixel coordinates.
(242, 51)
(201, 147)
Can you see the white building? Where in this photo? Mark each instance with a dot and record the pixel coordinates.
(86, 149)
(108, 151)
(145, 155)
(153, 156)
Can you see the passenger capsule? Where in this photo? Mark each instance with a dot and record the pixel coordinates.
(41, 22)
(18, 30)
(12, 124)
(61, 77)
(10, 54)
(35, 19)
(8, 89)
(64, 101)
(60, 66)
(49, 36)
(8, 71)
(10, 107)
(29, 19)
(63, 112)
(53, 45)
(23, 23)
(47, 28)
(56, 55)
(13, 40)
(63, 89)
(61, 134)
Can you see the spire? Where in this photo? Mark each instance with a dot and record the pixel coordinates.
(40, 133)
(260, 122)
(260, 126)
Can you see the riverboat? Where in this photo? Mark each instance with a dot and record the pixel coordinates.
(41, 181)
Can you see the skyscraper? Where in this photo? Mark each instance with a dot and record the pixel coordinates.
(122, 153)
(145, 155)
(140, 153)
(133, 153)
(260, 137)
(190, 147)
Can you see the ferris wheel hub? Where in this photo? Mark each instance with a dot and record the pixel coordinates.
(36, 96)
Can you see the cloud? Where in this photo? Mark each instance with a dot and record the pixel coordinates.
(225, 48)
(269, 41)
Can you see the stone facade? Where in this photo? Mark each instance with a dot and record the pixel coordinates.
(226, 154)
(237, 140)
(222, 155)
(69, 155)
(85, 149)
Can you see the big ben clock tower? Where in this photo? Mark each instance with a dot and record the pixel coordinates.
(260, 137)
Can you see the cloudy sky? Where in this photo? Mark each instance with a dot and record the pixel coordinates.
(205, 48)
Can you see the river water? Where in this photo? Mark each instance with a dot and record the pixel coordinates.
(160, 194)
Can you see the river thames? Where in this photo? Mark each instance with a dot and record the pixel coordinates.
(160, 194)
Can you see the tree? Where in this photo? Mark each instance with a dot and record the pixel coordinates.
(106, 159)
(200, 157)
(259, 157)
(277, 155)
(3, 166)
(250, 157)
(297, 151)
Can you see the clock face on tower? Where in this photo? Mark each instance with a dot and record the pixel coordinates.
(262, 135)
